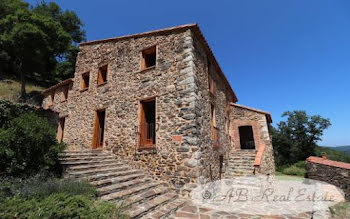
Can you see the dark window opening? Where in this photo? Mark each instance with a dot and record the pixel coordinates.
(221, 165)
(246, 137)
(102, 75)
(60, 129)
(99, 129)
(85, 81)
(148, 123)
(65, 93)
(149, 57)
(52, 98)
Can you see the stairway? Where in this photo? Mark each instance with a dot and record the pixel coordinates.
(240, 163)
(118, 182)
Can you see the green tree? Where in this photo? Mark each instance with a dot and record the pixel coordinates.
(38, 43)
(28, 145)
(296, 138)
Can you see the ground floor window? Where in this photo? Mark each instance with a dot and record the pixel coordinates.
(246, 137)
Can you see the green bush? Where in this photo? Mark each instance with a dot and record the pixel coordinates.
(297, 169)
(59, 205)
(40, 197)
(43, 185)
(28, 145)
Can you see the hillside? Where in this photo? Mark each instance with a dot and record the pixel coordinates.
(10, 90)
(345, 149)
(334, 153)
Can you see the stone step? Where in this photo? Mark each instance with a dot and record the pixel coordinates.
(242, 158)
(242, 168)
(103, 176)
(105, 190)
(119, 179)
(124, 194)
(87, 158)
(86, 173)
(93, 166)
(83, 162)
(69, 154)
(146, 195)
(139, 210)
(166, 210)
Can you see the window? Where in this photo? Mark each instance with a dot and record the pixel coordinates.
(102, 75)
(149, 57)
(60, 129)
(246, 137)
(52, 98)
(212, 87)
(85, 79)
(65, 93)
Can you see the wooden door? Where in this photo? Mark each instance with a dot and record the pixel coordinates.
(98, 135)
(147, 123)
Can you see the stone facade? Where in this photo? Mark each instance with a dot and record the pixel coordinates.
(259, 121)
(183, 153)
(333, 172)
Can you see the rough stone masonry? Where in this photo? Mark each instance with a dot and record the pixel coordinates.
(195, 130)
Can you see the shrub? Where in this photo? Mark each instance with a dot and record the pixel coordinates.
(28, 145)
(59, 205)
(297, 169)
(43, 185)
(40, 197)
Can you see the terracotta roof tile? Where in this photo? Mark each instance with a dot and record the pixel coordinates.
(327, 162)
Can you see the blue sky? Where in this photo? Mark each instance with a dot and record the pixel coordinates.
(277, 55)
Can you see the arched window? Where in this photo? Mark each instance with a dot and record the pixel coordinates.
(246, 137)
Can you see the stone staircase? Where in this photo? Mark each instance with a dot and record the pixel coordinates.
(241, 163)
(118, 182)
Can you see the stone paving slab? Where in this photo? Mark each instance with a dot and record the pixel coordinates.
(191, 211)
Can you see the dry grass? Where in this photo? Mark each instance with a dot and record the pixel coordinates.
(10, 89)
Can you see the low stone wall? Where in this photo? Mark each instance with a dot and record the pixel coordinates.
(333, 172)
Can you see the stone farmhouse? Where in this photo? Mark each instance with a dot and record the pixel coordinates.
(160, 102)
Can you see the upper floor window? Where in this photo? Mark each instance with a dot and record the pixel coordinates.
(212, 86)
(149, 57)
(102, 75)
(85, 79)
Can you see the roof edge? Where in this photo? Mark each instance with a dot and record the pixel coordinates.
(268, 115)
(54, 87)
(185, 26)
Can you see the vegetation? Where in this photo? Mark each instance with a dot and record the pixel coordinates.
(11, 89)
(296, 138)
(297, 169)
(27, 141)
(42, 197)
(38, 43)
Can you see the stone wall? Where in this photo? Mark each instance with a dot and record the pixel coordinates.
(184, 153)
(335, 173)
(179, 83)
(244, 116)
(209, 155)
